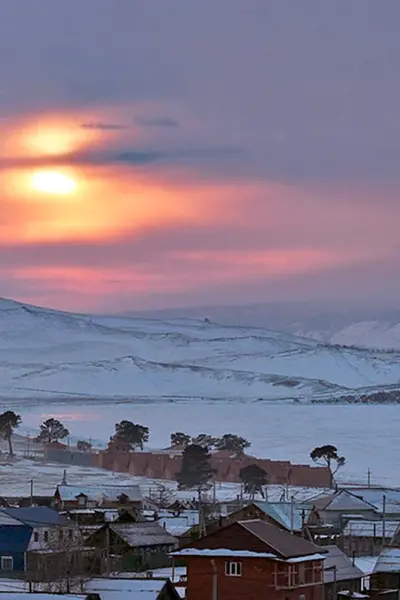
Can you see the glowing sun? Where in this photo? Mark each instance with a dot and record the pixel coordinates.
(53, 182)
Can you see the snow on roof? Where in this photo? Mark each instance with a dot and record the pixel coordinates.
(143, 534)
(243, 554)
(345, 570)
(375, 496)
(366, 564)
(345, 500)
(121, 589)
(29, 596)
(281, 512)
(69, 493)
(223, 552)
(361, 528)
(179, 525)
(388, 561)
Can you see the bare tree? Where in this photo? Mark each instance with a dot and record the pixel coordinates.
(57, 560)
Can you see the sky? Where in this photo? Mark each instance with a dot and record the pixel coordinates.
(178, 153)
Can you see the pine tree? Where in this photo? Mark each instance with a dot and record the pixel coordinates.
(196, 470)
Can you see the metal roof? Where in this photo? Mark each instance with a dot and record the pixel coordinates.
(281, 512)
(360, 528)
(143, 534)
(100, 494)
(345, 570)
(376, 496)
(135, 589)
(279, 540)
(36, 516)
(343, 500)
(388, 561)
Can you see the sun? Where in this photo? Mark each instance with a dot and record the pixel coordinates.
(53, 182)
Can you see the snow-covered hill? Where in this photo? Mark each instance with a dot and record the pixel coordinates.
(47, 353)
(354, 326)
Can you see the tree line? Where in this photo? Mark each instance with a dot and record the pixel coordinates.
(196, 471)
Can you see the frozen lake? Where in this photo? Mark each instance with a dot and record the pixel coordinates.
(368, 436)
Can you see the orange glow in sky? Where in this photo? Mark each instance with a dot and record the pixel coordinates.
(53, 182)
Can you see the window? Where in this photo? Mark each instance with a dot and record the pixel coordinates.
(70, 534)
(36, 536)
(7, 563)
(46, 536)
(61, 534)
(233, 569)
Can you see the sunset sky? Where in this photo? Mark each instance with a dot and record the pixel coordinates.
(159, 153)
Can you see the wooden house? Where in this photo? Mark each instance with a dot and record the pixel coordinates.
(252, 560)
(136, 546)
(112, 496)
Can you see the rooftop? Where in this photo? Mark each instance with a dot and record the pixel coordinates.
(281, 512)
(280, 541)
(388, 561)
(100, 494)
(128, 589)
(143, 534)
(361, 528)
(345, 570)
(36, 516)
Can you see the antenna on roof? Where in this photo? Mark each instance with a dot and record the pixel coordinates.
(64, 479)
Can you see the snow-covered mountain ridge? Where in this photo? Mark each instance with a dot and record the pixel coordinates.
(46, 353)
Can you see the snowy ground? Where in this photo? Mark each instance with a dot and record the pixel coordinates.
(48, 354)
(15, 478)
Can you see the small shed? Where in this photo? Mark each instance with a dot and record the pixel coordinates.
(340, 574)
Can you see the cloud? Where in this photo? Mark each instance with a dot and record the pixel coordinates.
(104, 126)
(156, 122)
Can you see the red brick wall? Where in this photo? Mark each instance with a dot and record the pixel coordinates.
(164, 466)
(256, 583)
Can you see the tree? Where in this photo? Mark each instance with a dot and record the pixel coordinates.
(131, 434)
(163, 496)
(232, 443)
(204, 440)
(9, 421)
(254, 479)
(328, 457)
(180, 440)
(84, 446)
(51, 431)
(196, 470)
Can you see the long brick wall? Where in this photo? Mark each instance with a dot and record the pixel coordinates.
(165, 466)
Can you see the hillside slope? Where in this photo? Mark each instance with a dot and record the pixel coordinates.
(47, 353)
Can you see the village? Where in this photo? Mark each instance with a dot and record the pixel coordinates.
(318, 539)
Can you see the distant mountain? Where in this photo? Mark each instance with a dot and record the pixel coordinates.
(48, 353)
(364, 327)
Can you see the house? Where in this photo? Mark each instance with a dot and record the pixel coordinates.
(340, 575)
(137, 546)
(29, 535)
(111, 496)
(386, 573)
(135, 589)
(332, 509)
(386, 500)
(286, 515)
(253, 560)
(368, 538)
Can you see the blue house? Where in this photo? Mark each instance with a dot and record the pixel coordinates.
(27, 529)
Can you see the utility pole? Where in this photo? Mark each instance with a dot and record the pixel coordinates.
(292, 514)
(31, 492)
(369, 477)
(214, 580)
(383, 519)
